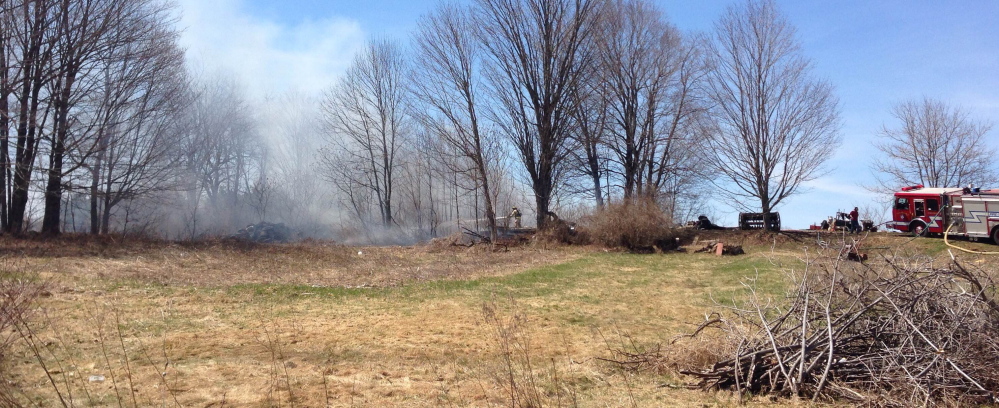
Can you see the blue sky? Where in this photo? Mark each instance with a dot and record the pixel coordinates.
(876, 54)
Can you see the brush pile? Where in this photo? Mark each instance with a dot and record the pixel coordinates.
(898, 334)
(637, 225)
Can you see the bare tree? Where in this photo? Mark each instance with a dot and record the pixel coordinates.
(55, 59)
(8, 77)
(673, 173)
(221, 152)
(367, 123)
(776, 125)
(589, 158)
(137, 121)
(447, 84)
(29, 31)
(539, 52)
(84, 31)
(294, 137)
(936, 145)
(638, 56)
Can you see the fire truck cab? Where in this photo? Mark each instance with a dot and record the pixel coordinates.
(967, 212)
(917, 209)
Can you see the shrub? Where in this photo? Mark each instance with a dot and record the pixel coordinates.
(638, 225)
(559, 231)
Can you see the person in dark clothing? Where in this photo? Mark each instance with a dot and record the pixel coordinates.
(855, 221)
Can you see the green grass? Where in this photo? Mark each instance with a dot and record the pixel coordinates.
(654, 296)
(595, 279)
(286, 293)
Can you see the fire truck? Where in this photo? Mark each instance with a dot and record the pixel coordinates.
(968, 212)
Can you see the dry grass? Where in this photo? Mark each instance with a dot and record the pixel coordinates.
(312, 324)
(228, 263)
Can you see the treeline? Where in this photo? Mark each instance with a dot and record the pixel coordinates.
(91, 93)
(104, 129)
(592, 101)
(551, 105)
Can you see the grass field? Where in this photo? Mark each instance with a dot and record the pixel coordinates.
(316, 324)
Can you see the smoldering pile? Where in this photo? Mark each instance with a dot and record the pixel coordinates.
(264, 232)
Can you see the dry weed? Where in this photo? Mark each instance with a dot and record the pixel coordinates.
(19, 290)
(529, 379)
(637, 225)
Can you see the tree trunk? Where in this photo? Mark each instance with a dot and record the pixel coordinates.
(542, 201)
(53, 189)
(53, 192)
(4, 143)
(542, 198)
(387, 173)
(95, 224)
(32, 79)
(25, 156)
(487, 194)
(106, 215)
(598, 193)
(5, 92)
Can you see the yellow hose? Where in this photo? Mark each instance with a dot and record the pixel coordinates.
(970, 251)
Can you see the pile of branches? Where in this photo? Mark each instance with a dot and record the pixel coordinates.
(898, 333)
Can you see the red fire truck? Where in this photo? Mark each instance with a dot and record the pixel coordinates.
(968, 212)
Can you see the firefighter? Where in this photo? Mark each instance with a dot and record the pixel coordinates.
(855, 221)
(515, 214)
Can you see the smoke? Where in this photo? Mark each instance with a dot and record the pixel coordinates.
(272, 58)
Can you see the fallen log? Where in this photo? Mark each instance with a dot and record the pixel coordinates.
(719, 248)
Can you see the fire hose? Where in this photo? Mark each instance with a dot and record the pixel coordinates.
(970, 251)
